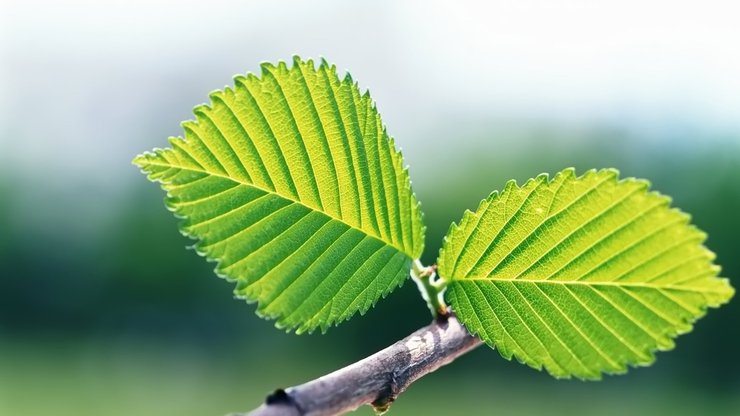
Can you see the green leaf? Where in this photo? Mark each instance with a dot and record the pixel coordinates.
(579, 275)
(291, 183)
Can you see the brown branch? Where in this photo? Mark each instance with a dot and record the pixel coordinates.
(376, 380)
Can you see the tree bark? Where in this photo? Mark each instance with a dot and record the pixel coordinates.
(376, 380)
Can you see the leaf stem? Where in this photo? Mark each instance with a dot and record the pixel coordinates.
(431, 288)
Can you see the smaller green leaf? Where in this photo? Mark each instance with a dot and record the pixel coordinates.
(290, 182)
(579, 275)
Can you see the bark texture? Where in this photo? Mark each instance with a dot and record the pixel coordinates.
(376, 380)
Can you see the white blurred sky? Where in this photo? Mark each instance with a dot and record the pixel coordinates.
(98, 81)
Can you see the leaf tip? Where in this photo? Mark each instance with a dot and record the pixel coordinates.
(141, 160)
(145, 161)
(730, 290)
(724, 292)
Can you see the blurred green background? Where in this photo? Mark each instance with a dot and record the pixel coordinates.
(103, 310)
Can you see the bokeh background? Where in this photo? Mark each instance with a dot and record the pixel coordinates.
(103, 310)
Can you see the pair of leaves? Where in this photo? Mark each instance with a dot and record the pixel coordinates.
(291, 184)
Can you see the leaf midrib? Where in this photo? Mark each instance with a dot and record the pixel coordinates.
(590, 284)
(268, 191)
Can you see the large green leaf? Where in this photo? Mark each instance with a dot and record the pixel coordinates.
(579, 275)
(292, 185)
